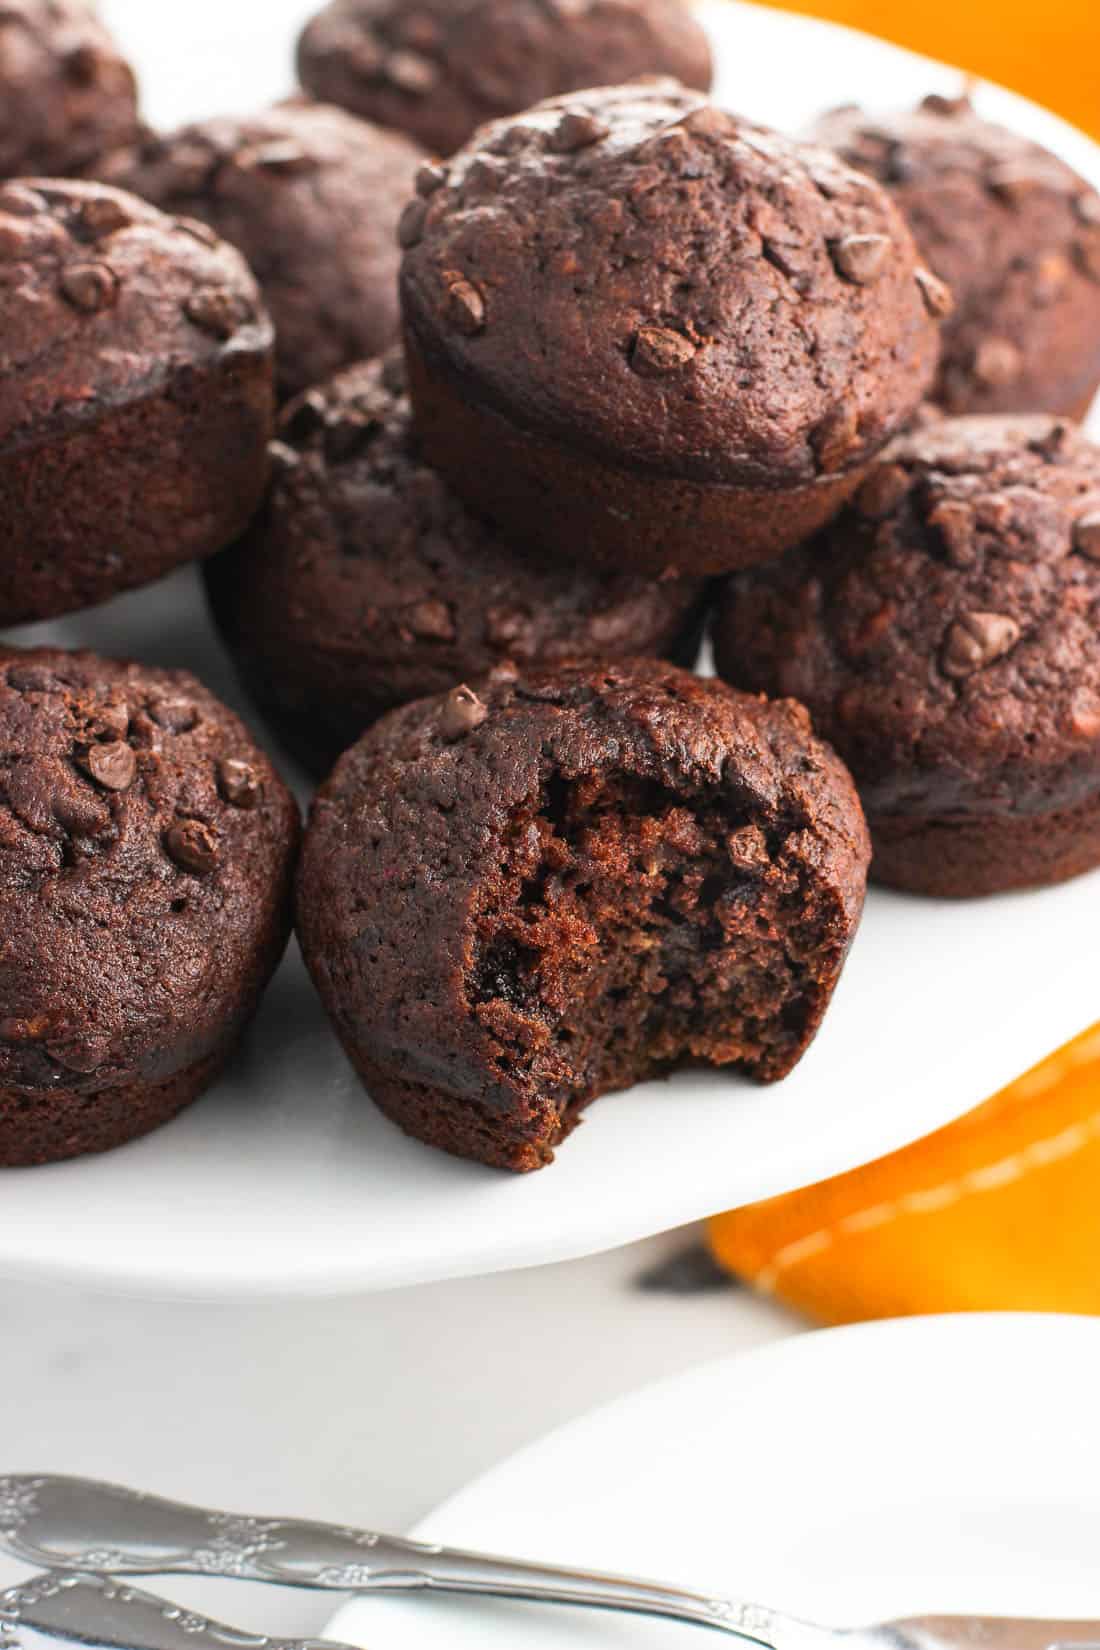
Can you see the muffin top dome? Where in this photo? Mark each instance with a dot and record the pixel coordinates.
(635, 267)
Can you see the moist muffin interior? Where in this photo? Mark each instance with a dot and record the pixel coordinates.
(629, 931)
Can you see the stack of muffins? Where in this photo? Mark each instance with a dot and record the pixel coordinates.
(657, 366)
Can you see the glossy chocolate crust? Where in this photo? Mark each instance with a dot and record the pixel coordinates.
(364, 582)
(516, 898)
(146, 852)
(66, 94)
(1013, 231)
(440, 69)
(311, 197)
(688, 334)
(945, 635)
(136, 398)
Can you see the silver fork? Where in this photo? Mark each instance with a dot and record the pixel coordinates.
(99, 1613)
(80, 1525)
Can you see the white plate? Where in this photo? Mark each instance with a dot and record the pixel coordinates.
(934, 1464)
(286, 1181)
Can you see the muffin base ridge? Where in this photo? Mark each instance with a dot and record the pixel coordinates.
(162, 480)
(59, 1124)
(958, 859)
(576, 506)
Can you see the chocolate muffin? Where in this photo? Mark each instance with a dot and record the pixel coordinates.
(1015, 234)
(438, 70)
(136, 395)
(516, 899)
(66, 94)
(146, 852)
(365, 583)
(312, 197)
(681, 337)
(945, 634)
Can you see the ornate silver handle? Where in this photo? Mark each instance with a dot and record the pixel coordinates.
(100, 1614)
(77, 1524)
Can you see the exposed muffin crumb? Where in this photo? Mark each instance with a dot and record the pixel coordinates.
(574, 881)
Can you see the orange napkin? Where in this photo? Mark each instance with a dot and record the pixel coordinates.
(1050, 56)
(999, 1211)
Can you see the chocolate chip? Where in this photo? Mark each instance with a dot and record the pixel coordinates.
(659, 350)
(347, 438)
(708, 121)
(174, 715)
(885, 487)
(410, 225)
(431, 620)
(976, 640)
(1087, 256)
(997, 362)
(576, 130)
(861, 258)
(113, 718)
(112, 766)
(20, 202)
(306, 416)
(835, 438)
(1051, 444)
(411, 73)
(937, 297)
(481, 177)
(954, 522)
(80, 812)
(218, 311)
(239, 783)
(429, 178)
(89, 287)
(1086, 535)
(192, 845)
(1013, 183)
(935, 103)
(464, 307)
(462, 713)
(82, 64)
(198, 231)
(282, 157)
(103, 216)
